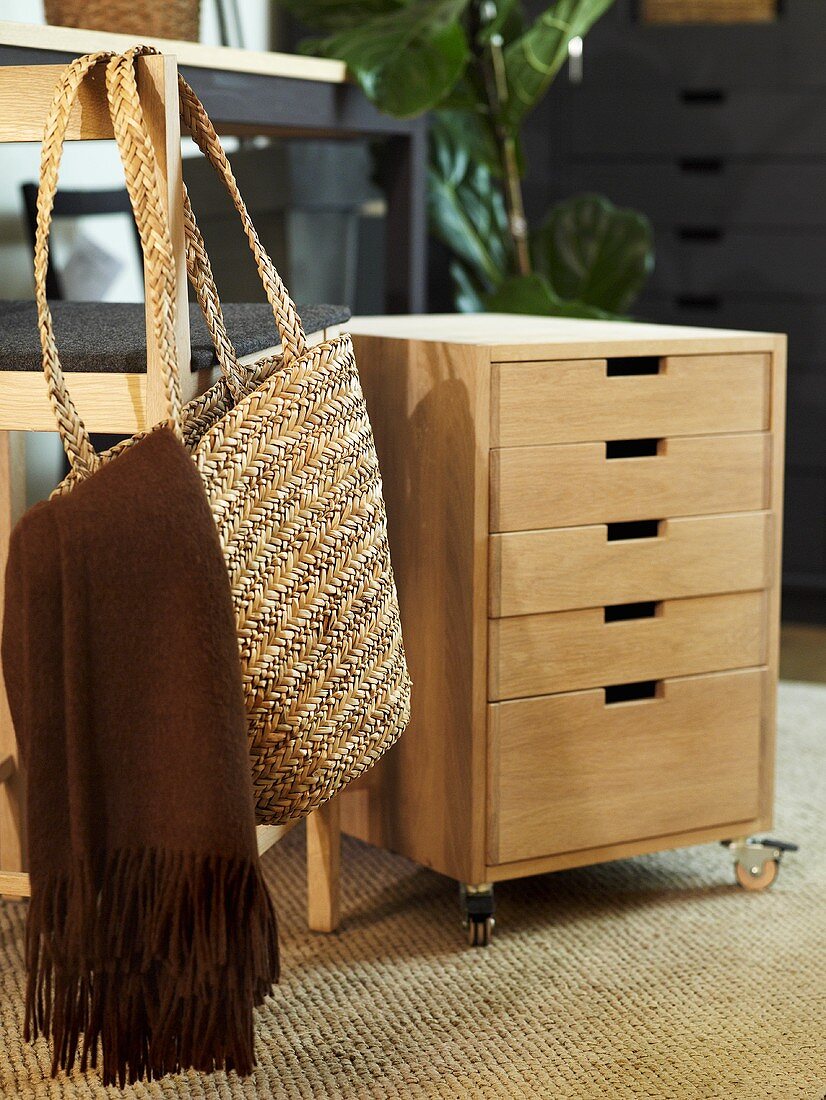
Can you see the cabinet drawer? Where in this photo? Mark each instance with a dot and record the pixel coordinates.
(570, 650)
(537, 571)
(624, 55)
(706, 123)
(713, 261)
(570, 771)
(726, 193)
(586, 400)
(578, 483)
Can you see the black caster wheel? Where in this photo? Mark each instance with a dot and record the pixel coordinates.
(757, 862)
(480, 931)
(477, 913)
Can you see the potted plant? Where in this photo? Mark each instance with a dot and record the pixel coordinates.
(481, 66)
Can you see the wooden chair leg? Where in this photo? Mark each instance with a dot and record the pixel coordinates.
(12, 808)
(323, 867)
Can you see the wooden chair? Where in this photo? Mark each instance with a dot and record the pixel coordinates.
(122, 402)
(75, 204)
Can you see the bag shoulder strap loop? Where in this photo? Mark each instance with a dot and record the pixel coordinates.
(199, 269)
(76, 440)
(195, 119)
(139, 162)
(153, 227)
(239, 378)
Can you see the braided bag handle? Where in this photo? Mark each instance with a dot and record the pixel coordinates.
(195, 119)
(76, 441)
(140, 171)
(155, 240)
(238, 379)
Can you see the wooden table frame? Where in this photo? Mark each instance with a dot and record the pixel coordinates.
(126, 403)
(284, 95)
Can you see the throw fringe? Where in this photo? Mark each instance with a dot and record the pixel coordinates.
(156, 959)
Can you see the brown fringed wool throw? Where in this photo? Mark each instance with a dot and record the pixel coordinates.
(150, 932)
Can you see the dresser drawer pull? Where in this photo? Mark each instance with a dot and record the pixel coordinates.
(633, 529)
(623, 612)
(632, 693)
(705, 233)
(632, 448)
(625, 366)
(710, 165)
(702, 97)
(698, 301)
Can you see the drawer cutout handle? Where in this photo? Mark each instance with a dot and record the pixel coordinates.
(711, 165)
(631, 693)
(698, 301)
(706, 234)
(631, 448)
(702, 97)
(623, 612)
(633, 529)
(623, 366)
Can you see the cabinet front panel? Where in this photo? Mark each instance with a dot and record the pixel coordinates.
(570, 567)
(571, 650)
(587, 400)
(581, 483)
(569, 771)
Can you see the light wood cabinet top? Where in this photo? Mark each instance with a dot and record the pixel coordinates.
(518, 336)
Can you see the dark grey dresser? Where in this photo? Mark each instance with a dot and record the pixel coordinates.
(718, 133)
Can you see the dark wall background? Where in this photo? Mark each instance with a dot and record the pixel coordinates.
(718, 133)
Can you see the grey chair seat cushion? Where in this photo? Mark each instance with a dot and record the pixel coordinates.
(110, 337)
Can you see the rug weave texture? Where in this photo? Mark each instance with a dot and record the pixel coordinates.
(654, 977)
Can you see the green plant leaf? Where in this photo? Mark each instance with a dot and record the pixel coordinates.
(406, 59)
(533, 60)
(471, 129)
(466, 208)
(463, 96)
(467, 295)
(534, 294)
(591, 251)
(508, 22)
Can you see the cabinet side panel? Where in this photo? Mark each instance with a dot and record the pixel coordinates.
(429, 405)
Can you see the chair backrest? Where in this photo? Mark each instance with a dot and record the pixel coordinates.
(26, 94)
(75, 204)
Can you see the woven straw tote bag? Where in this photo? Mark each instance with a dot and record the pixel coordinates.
(286, 454)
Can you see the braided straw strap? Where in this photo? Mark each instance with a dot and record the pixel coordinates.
(197, 122)
(156, 242)
(140, 169)
(76, 441)
(239, 379)
(136, 153)
(199, 269)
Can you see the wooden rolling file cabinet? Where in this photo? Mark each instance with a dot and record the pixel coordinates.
(585, 526)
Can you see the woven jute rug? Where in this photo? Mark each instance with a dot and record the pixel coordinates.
(654, 977)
